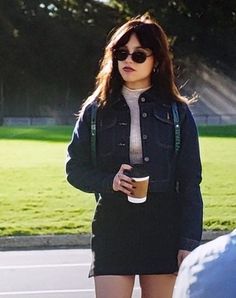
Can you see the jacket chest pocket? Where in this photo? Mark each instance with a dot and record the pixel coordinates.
(106, 138)
(163, 128)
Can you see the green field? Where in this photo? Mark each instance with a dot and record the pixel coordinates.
(36, 199)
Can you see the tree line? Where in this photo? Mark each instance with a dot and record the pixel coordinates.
(50, 49)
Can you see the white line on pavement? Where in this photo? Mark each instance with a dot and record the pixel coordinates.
(43, 266)
(45, 292)
(49, 292)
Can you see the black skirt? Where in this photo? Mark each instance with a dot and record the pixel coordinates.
(129, 239)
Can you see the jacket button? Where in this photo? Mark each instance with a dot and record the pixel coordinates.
(143, 99)
(145, 137)
(146, 158)
(144, 115)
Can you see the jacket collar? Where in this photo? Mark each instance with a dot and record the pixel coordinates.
(117, 100)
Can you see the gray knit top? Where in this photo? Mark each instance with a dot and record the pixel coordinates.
(131, 96)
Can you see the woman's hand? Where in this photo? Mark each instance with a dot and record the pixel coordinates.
(122, 182)
(182, 254)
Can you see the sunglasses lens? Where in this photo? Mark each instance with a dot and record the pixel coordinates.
(139, 57)
(121, 55)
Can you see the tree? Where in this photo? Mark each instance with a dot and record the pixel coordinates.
(50, 49)
(206, 27)
(55, 48)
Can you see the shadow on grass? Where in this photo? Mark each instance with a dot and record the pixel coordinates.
(226, 131)
(38, 133)
(63, 133)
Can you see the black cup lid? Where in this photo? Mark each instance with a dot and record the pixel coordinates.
(137, 171)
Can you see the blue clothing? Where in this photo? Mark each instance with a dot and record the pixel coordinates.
(209, 271)
(168, 172)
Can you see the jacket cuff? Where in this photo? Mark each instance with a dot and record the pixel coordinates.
(188, 244)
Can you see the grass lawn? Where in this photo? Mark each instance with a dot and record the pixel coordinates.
(36, 199)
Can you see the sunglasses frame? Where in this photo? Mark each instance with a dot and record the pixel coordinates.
(132, 55)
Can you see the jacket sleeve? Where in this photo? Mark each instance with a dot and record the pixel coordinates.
(189, 178)
(79, 168)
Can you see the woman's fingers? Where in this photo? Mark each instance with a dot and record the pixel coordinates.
(182, 254)
(122, 182)
(127, 185)
(124, 167)
(125, 178)
(125, 190)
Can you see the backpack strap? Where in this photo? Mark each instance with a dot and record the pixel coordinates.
(177, 126)
(93, 140)
(93, 133)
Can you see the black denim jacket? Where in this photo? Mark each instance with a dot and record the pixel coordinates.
(181, 173)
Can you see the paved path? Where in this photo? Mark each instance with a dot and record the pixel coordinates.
(66, 241)
(47, 274)
(50, 273)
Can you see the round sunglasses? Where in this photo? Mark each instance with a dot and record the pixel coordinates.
(137, 56)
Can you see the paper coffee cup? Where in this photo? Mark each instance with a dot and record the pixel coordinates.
(139, 193)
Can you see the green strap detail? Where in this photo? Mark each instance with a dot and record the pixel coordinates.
(177, 126)
(93, 140)
(93, 133)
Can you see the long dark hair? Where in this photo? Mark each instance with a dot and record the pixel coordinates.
(150, 35)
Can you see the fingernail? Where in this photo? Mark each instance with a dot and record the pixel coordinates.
(133, 180)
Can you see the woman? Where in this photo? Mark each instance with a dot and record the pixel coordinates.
(134, 93)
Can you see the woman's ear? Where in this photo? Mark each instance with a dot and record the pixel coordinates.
(155, 67)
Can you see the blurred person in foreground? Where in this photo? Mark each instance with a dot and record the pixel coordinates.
(134, 95)
(209, 271)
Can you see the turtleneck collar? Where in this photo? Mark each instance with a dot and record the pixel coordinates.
(127, 92)
(152, 94)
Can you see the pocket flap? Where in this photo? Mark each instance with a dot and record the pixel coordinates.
(107, 122)
(164, 115)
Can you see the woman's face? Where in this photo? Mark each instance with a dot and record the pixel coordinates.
(136, 75)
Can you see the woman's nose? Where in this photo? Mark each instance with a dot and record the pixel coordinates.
(129, 58)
